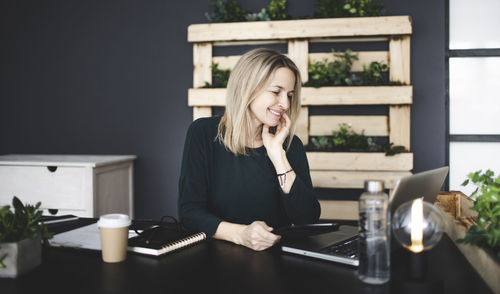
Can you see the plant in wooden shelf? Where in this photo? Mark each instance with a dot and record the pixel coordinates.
(219, 77)
(20, 234)
(486, 233)
(336, 73)
(348, 8)
(362, 8)
(347, 140)
(226, 11)
(230, 11)
(374, 74)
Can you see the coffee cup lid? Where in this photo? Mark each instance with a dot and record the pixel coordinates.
(114, 220)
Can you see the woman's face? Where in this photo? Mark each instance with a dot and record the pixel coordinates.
(270, 105)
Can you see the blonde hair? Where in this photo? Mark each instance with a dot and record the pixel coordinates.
(247, 81)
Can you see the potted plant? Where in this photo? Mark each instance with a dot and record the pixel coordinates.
(486, 232)
(21, 233)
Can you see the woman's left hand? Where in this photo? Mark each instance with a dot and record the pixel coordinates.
(274, 142)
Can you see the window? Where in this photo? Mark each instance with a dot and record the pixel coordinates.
(473, 59)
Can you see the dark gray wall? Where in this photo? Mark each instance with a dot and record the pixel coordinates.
(111, 77)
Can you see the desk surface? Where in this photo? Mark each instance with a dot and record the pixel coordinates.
(220, 267)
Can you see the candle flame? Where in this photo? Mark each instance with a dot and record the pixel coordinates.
(417, 225)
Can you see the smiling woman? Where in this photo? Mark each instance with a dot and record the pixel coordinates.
(245, 173)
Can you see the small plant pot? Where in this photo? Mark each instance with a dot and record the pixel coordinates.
(20, 257)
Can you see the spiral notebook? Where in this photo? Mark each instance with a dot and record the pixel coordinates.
(160, 240)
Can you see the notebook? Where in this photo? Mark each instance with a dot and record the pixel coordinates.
(341, 246)
(159, 240)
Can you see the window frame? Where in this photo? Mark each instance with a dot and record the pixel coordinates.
(461, 53)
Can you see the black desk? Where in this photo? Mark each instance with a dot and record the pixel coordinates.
(220, 267)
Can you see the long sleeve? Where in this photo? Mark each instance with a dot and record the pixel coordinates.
(300, 204)
(216, 185)
(194, 183)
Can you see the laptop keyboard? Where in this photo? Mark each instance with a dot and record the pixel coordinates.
(348, 248)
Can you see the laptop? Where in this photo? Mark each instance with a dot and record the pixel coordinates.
(341, 245)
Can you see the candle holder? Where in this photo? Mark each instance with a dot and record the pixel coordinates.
(418, 227)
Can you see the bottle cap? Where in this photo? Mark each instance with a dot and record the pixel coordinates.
(374, 186)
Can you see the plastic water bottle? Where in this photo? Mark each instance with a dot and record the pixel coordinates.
(374, 234)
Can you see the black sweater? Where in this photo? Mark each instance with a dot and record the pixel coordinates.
(215, 185)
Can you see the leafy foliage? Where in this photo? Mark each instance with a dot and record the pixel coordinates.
(226, 11)
(391, 149)
(486, 233)
(262, 15)
(320, 143)
(219, 77)
(344, 139)
(347, 140)
(20, 224)
(347, 8)
(336, 73)
(276, 9)
(230, 11)
(372, 75)
(363, 8)
(328, 8)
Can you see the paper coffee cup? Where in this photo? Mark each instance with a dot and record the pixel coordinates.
(113, 229)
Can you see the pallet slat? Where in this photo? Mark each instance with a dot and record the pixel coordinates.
(399, 50)
(298, 51)
(361, 95)
(354, 179)
(380, 95)
(399, 125)
(371, 125)
(366, 161)
(302, 126)
(308, 28)
(339, 209)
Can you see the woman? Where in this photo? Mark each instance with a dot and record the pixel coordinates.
(245, 172)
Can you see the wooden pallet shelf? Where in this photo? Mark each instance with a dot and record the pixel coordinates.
(328, 169)
(296, 29)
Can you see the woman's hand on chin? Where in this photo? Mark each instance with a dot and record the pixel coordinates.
(274, 142)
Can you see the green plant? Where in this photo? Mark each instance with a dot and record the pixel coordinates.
(391, 149)
(22, 223)
(226, 11)
(258, 16)
(373, 74)
(363, 8)
(328, 8)
(335, 73)
(277, 9)
(486, 233)
(320, 143)
(346, 139)
(219, 77)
